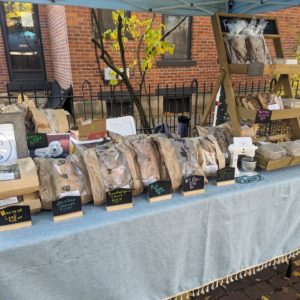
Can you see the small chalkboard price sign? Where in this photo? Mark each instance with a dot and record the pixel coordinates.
(66, 208)
(119, 199)
(225, 176)
(256, 69)
(193, 185)
(13, 217)
(263, 116)
(37, 140)
(159, 190)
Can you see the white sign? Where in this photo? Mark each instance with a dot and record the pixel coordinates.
(242, 141)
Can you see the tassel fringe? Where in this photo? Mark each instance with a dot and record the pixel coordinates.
(210, 286)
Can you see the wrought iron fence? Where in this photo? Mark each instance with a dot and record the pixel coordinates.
(162, 103)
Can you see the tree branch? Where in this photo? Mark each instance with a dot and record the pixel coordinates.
(171, 30)
(121, 45)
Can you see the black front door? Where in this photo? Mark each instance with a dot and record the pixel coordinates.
(22, 40)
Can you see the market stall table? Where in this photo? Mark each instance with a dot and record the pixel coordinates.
(154, 250)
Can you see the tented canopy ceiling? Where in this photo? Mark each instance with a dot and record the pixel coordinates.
(181, 7)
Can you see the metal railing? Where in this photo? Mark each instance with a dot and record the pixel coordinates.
(162, 103)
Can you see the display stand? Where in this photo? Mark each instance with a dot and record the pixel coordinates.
(227, 70)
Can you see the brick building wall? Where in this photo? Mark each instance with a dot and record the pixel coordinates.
(4, 77)
(59, 43)
(83, 60)
(70, 57)
(45, 36)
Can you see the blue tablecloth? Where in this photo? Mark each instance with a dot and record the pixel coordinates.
(154, 250)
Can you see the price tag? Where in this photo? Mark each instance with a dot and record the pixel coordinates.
(159, 190)
(263, 116)
(256, 69)
(193, 185)
(66, 208)
(15, 216)
(37, 140)
(225, 176)
(119, 199)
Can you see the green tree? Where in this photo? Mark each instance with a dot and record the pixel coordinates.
(151, 42)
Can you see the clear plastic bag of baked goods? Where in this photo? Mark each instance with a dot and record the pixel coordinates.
(292, 148)
(235, 42)
(270, 101)
(255, 42)
(147, 158)
(186, 154)
(59, 178)
(210, 156)
(271, 151)
(114, 168)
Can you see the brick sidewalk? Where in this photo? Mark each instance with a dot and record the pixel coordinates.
(269, 284)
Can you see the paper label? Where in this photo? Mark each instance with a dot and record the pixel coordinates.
(7, 176)
(211, 169)
(274, 106)
(242, 141)
(9, 201)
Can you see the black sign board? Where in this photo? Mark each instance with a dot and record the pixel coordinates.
(256, 69)
(193, 185)
(270, 27)
(263, 116)
(14, 217)
(119, 199)
(160, 190)
(66, 207)
(225, 176)
(37, 140)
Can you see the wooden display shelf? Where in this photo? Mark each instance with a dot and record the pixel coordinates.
(281, 114)
(274, 69)
(284, 162)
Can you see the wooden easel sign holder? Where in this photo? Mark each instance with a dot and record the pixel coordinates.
(14, 217)
(225, 176)
(66, 208)
(119, 199)
(159, 191)
(193, 185)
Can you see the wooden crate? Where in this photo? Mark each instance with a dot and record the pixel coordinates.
(284, 162)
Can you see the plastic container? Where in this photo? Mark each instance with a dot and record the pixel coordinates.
(271, 151)
(292, 148)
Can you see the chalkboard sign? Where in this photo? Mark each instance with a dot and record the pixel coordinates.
(225, 176)
(66, 208)
(15, 216)
(37, 140)
(269, 29)
(263, 116)
(256, 69)
(119, 199)
(160, 190)
(193, 185)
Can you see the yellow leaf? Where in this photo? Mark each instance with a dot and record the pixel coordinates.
(296, 274)
(264, 298)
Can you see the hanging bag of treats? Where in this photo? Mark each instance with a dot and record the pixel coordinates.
(235, 42)
(255, 42)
